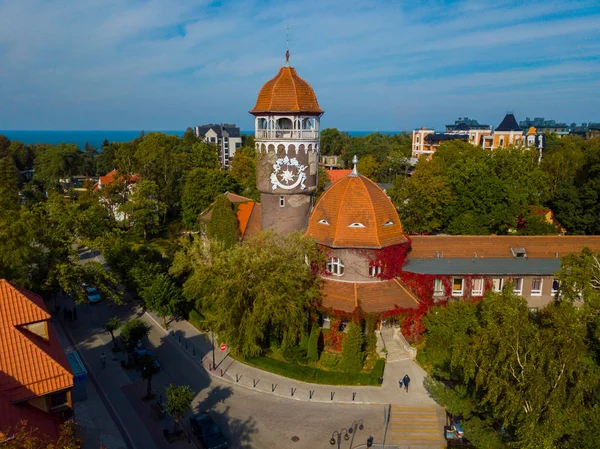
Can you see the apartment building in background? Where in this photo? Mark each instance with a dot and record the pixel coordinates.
(426, 141)
(225, 136)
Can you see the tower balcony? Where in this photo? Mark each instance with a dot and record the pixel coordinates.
(307, 134)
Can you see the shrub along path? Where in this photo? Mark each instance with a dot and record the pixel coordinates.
(198, 346)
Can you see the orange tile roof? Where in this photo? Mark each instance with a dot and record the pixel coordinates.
(244, 211)
(287, 92)
(30, 366)
(373, 297)
(254, 222)
(114, 176)
(336, 175)
(355, 199)
(465, 246)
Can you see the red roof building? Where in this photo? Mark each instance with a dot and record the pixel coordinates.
(35, 375)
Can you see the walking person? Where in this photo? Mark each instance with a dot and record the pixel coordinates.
(400, 383)
(406, 381)
(103, 360)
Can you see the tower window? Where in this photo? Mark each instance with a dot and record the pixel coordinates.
(282, 201)
(335, 266)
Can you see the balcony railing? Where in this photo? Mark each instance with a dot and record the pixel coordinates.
(287, 134)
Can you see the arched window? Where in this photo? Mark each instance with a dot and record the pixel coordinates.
(335, 266)
(374, 271)
(284, 123)
(307, 123)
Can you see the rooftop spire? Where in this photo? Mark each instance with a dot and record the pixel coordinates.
(287, 47)
(354, 170)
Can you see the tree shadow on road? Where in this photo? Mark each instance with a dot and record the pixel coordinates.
(215, 396)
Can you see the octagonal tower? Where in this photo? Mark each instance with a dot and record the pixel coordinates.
(286, 132)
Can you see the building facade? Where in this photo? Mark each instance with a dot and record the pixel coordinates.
(225, 136)
(287, 122)
(426, 141)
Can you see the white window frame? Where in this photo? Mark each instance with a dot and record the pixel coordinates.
(335, 266)
(438, 287)
(537, 292)
(282, 201)
(518, 290)
(375, 270)
(462, 287)
(497, 284)
(477, 291)
(554, 291)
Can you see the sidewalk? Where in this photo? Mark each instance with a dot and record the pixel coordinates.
(198, 346)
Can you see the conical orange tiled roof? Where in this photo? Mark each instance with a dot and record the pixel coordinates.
(287, 92)
(355, 213)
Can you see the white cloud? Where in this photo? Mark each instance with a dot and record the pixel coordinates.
(174, 63)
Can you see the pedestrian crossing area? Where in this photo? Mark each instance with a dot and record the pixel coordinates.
(417, 427)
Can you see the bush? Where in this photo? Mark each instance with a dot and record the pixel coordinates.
(294, 354)
(353, 356)
(329, 361)
(313, 343)
(317, 376)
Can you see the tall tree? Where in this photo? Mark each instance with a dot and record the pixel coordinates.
(55, 163)
(423, 198)
(9, 188)
(245, 299)
(162, 296)
(223, 224)
(353, 356)
(144, 210)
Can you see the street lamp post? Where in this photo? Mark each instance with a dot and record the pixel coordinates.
(336, 436)
(214, 365)
(352, 429)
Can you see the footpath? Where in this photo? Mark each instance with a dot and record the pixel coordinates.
(416, 420)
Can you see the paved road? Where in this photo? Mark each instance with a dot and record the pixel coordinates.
(250, 419)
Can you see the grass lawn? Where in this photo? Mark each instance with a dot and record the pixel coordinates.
(314, 375)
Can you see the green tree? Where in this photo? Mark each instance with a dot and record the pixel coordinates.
(144, 210)
(133, 331)
(353, 356)
(313, 343)
(111, 326)
(515, 376)
(205, 155)
(201, 188)
(243, 169)
(368, 166)
(322, 181)
(9, 187)
(162, 296)
(334, 142)
(303, 344)
(179, 401)
(223, 225)
(58, 162)
(423, 198)
(253, 294)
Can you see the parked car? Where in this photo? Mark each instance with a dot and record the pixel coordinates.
(205, 428)
(93, 295)
(139, 355)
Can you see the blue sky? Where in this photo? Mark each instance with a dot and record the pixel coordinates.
(374, 65)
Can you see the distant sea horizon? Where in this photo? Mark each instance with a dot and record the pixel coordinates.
(96, 137)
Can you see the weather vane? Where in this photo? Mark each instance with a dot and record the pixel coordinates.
(287, 46)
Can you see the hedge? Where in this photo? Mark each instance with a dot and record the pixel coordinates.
(317, 376)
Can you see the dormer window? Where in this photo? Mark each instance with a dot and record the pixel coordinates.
(519, 253)
(325, 222)
(356, 225)
(40, 329)
(388, 223)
